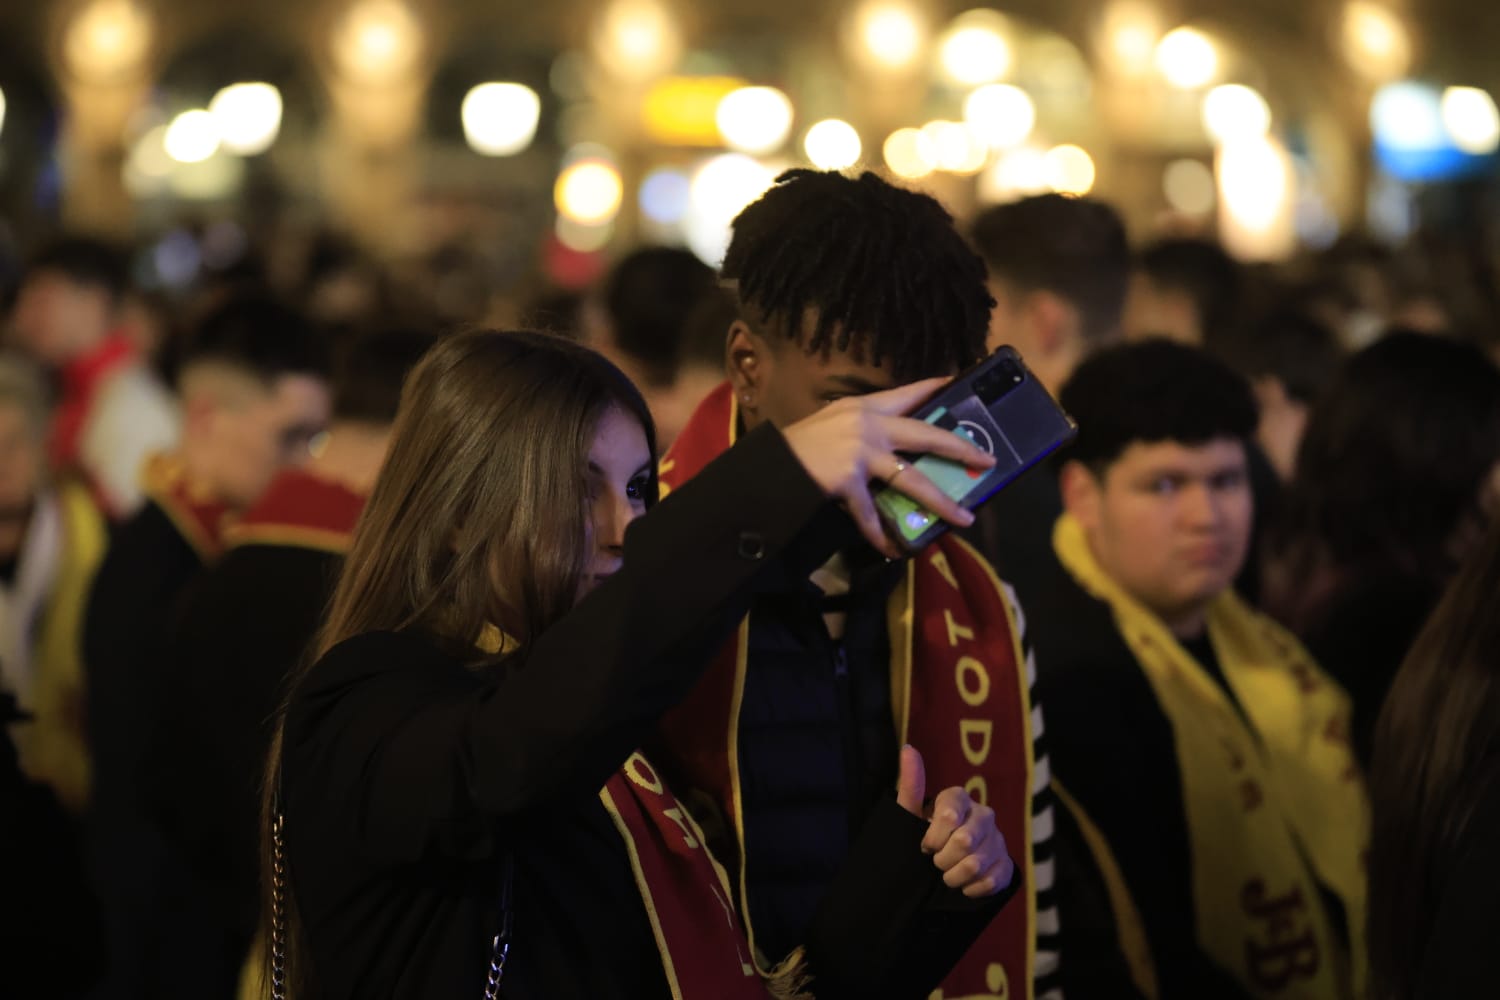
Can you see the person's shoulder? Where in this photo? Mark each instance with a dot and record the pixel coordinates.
(145, 540)
(395, 657)
(1076, 630)
(138, 390)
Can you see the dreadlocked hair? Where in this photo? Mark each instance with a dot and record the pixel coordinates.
(883, 269)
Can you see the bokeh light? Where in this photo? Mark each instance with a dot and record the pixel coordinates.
(1187, 58)
(1471, 119)
(1188, 186)
(1408, 117)
(377, 42)
(886, 35)
(1128, 34)
(910, 154)
(1016, 174)
(1256, 198)
(1375, 41)
(192, 137)
(832, 144)
(1234, 111)
(665, 196)
(589, 191)
(500, 119)
(1002, 115)
(754, 120)
(956, 148)
(637, 39)
(1070, 170)
(107, 39)
(582, 237)
(248, 117)
(974, 49)
(721, 188)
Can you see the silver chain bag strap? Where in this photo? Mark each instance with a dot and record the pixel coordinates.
(499, 945)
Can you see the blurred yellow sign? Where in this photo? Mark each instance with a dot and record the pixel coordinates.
(679, 110)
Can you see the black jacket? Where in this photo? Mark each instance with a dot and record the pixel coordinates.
(407, 775)
(244, 626)
(1113, 750)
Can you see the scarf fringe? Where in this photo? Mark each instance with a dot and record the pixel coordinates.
(789, 980)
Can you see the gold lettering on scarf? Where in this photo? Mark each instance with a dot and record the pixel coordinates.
(995, 980)
(1288, 949)
(640, 772)
(955, 630)
(675, 815)
(745, 965)
(984, 729)
(975, 736)
(980, 692)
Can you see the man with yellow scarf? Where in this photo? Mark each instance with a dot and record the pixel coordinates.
(1203, 758)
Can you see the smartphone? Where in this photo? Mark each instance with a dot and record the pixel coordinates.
(999, 406)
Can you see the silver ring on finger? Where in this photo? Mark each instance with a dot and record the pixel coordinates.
(900, 468)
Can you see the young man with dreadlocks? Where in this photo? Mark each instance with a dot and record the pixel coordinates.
(794, 739)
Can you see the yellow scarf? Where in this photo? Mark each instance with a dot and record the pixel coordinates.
(1272, 812)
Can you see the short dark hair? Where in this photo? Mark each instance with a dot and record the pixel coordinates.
(84, 261)
(1072, 247)
(260, 336)
(707, 331)
(1205, 273)
(1153, 391)
(370, 368)
(649, 295)
(890, 278)
(1298, 351)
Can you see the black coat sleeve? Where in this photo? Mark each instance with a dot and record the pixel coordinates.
(888, 926)
(428, 773)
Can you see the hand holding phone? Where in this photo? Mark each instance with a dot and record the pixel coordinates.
(998, 406)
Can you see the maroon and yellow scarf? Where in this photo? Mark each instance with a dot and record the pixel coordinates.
(704, 951)
(703, 947)
(301, 510)
(199, 517)
(960, 697)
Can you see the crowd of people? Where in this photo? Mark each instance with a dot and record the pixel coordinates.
(348, 651)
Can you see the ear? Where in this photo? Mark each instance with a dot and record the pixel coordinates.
(1082, 494)
(749, 361)
(1270, 394)
(1052, 322)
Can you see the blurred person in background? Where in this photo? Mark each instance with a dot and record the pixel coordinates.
(638, 319)
(1290, 359)
(1396, 477)
(52, 538)
(114, 411)
(701, 360)
(49, 919)
(846, 286)
(1059, 268)
(254, 394)
(1200, 753)
(1187, 290)
(554, 310)
(1435, 800)
(244, 627)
